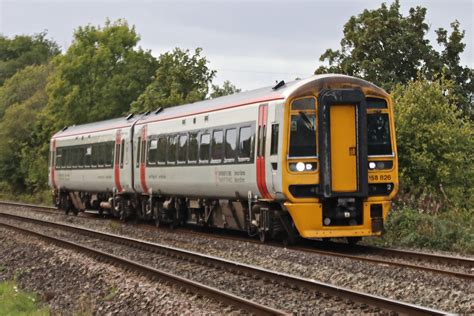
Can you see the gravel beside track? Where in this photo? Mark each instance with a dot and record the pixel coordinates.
(421, 288)
(71, 283)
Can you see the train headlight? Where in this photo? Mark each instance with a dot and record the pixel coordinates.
(309, 166)
(300, 166)
(372, 165)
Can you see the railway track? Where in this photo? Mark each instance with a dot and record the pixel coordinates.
(388, 256)
(272, 278)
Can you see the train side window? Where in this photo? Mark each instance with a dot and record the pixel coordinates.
(81, 152)
(101, 159)
(162, 144)
(172, 140)
(193, 148)
(139, 146)
(94, 155)
(245, 143)
(87, 157)
(108, 154)
(122, 152)
(230, 145)
(217, 146)
(274, 140)
(182, 149)
(204, 146)
(66, 158)
(59, 158)
(153, 151)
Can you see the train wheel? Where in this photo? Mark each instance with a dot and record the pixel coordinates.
(353, 240)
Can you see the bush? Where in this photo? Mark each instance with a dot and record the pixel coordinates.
(435, 147)
(450, 231)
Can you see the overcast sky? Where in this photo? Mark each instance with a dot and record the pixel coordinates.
(250, 43)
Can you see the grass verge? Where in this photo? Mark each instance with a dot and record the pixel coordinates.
(16, 302)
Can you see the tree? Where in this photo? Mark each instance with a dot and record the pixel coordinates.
(180, 78)
(226, 89)
(23, 163)
(435, 143)
(24, 50)
(100, 75)
(387, 48)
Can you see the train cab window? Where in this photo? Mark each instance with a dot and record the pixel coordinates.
(378, 134)
(245, 143)
(172, 142)
(230, 145)
(217, 146)
(306, 104)
(182, 149)
(204, 146)
(162, 144)
(153, 152)
(87, 157)
(274, 140)
(193, 148)
(303, 128)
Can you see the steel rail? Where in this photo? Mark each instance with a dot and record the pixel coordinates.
(260, 273)
(404, 254)
(194, 287)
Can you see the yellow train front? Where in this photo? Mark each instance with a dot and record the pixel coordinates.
(341, 160)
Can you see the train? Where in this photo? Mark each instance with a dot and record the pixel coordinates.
(313, 158)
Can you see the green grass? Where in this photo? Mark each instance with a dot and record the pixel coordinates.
(451, 230)
(16, 302)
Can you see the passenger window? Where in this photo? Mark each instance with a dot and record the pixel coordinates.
(245, 143)
(152, 151)
(59, 158)
(193, 148)
(162, 144)
(274, 140)
(172, 140)
(182, 148)
(81, 153)
(217, 148)
(87, 157)
(109, 154)
(94, 156)
(230, 144)
(204, 147)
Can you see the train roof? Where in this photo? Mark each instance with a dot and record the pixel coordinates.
(289, 89)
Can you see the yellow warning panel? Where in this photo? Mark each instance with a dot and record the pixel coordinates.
(343, 148)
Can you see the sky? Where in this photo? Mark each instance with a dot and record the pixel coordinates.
(251, 43)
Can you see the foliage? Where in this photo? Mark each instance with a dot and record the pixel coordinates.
(99, 76)
(15, 302)
(23, 50)
(387, 48)
(435, 144)
(180, 78)
(226, 89)
(408, 227)
(23, 97)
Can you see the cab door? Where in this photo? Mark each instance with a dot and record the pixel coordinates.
(342, 142)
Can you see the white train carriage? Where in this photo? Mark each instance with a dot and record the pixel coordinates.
(91, 163)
